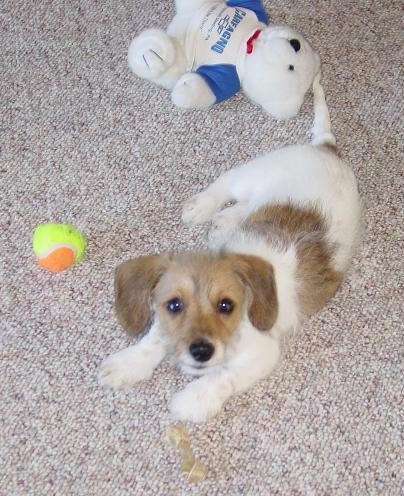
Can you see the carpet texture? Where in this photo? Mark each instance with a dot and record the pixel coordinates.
(84, 141)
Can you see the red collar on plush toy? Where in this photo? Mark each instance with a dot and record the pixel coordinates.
(250, 41)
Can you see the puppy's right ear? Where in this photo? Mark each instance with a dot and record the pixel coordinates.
(135, 281)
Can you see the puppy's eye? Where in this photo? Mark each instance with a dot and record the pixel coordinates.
(174, 305)
(291, 67)
(225, 306)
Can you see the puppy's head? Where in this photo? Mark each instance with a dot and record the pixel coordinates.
(199, 299)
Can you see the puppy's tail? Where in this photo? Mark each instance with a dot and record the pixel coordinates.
(321, 131)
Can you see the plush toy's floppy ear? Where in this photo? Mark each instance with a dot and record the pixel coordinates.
(134, 284)
(259, 278)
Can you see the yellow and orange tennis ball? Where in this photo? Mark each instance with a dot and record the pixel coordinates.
(58, 246)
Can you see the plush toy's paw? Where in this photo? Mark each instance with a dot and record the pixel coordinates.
(199, 208)
(191, 91)
(196, 403)
(151, 54)
(125, 368)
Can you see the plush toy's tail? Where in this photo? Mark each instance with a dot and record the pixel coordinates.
(321, 131)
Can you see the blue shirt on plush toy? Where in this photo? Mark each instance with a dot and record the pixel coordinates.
(217, 40)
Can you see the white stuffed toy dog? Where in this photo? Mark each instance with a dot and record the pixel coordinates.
(211, 49)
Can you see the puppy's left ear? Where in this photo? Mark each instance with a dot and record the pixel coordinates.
(259, 277)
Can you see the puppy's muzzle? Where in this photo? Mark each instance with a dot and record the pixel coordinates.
(201, 350)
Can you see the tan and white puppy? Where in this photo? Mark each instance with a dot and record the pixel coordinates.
(275, 257)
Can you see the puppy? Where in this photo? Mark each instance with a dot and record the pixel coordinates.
(275, 257)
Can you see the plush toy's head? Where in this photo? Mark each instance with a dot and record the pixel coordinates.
(279, 71)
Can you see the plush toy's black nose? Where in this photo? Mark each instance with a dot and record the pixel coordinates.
(201, 350)
(295, 44)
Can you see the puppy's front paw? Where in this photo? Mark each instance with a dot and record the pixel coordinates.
(125, 368)
(196, 403)
(199, 209)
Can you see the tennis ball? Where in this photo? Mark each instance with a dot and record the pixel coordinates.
(58, 246)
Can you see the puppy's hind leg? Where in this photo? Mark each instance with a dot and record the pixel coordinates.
(225, 222)
(201, 207)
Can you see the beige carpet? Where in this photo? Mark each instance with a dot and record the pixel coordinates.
(84, 141)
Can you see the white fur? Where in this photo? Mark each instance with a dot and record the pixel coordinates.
(161, 57)
(303, 173)
(322, 126)
(125, 368)
(252, 357)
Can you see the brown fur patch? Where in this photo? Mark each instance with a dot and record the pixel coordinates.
(134, 283)
(284, 223)
(317, 280)
(305, 228)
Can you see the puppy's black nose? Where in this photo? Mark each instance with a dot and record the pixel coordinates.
(201, 350)
(295, 44)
